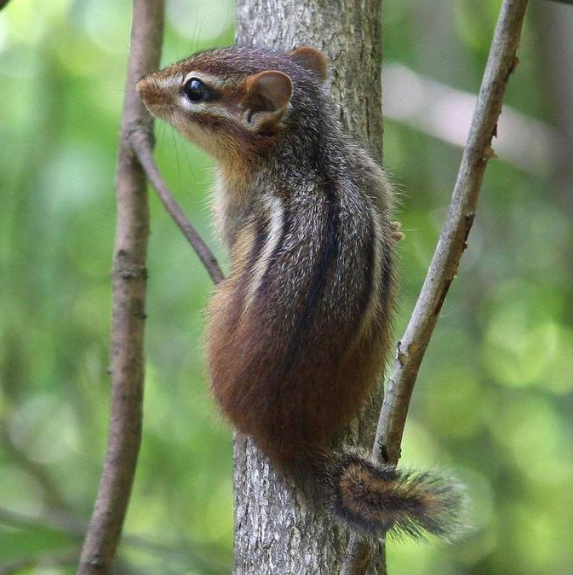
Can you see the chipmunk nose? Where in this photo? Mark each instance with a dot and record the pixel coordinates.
(150, 93)
(145, 88)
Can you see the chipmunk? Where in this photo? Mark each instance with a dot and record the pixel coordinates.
(300, 330)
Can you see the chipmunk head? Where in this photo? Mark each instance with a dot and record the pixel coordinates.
(234, 102)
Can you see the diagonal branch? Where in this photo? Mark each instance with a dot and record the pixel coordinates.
(141, 144)
(39, 559)
(194, 554)
(443, 269)
(129, 290)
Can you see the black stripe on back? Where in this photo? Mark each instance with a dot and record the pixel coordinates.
(328, 255)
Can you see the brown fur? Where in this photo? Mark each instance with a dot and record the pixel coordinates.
(299, 332)
(376, 498)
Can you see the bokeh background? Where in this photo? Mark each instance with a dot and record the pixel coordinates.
(495, 395)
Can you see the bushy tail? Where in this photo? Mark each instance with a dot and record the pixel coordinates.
(375, 498)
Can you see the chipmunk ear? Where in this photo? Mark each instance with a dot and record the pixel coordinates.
(268, 94)
(310, 59)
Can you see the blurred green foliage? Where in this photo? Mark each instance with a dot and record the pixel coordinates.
(494, 398)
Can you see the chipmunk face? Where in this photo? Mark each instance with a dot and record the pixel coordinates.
(232, 102)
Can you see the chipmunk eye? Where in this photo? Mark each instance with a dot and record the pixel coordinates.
(196, 91)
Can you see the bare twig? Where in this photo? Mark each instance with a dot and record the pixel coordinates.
(140, 141)
(501, 63)
(50, 490)
(129, 279)
(44, 559)
(200, 556)
(12, 382)
(411, 348)
(54, 521)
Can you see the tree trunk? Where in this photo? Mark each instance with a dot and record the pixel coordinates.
(276, 532)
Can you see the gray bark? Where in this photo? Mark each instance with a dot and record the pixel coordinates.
(276, 531)
(347, 31)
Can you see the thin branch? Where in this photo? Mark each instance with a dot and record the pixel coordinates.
(129, 287)
(3, 4)
(11, 384)
(50, 490)
(55, 559)
(196, 555)
(501, 63)
(141, 143)
(44, 559)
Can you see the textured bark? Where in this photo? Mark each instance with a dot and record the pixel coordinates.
(275, 530)
(347, 31)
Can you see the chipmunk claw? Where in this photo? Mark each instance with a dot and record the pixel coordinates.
(396, 233)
